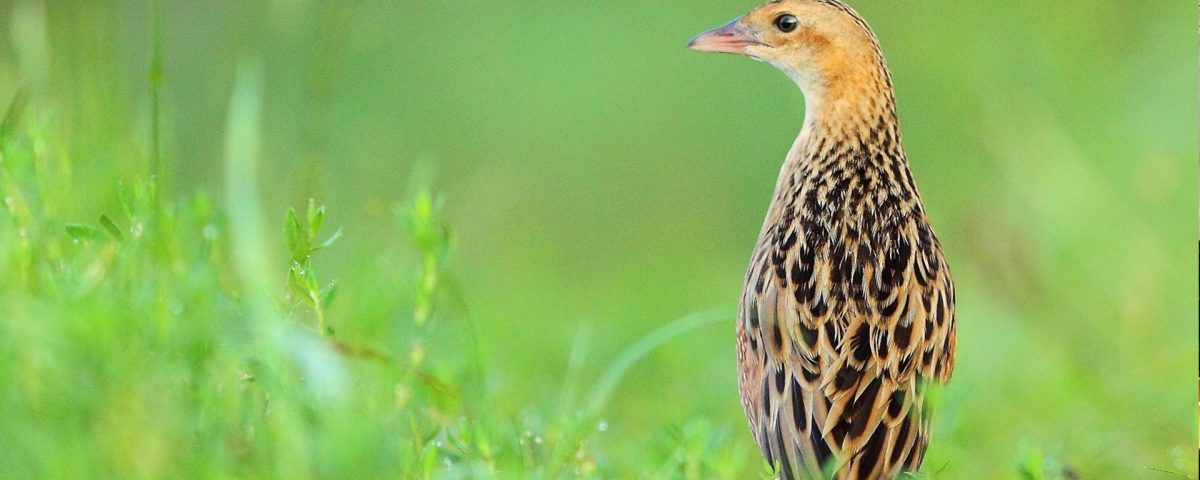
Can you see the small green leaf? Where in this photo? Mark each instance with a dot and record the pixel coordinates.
(316, 222)
(111, 228)
(316, 216)
(329, 294)
(430, 457)
(296, 283)
(291, 226)
(311, 286)
(84, 233)
(12, 116)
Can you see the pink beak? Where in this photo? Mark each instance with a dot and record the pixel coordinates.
(728, 38)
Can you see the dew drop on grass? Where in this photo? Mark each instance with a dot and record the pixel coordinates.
(602, 426)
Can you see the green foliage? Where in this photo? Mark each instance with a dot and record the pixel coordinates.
(302, 243)
(128, 347)
(156, 320)
(423, 219)
(1033, 464)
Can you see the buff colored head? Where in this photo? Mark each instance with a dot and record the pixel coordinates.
(817, 43)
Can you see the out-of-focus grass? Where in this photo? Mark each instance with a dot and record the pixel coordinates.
(169, 338)
(600, 181)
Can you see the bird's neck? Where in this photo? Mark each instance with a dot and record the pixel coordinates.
(850, 117)
(848, 151)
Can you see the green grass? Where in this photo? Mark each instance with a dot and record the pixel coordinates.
(528, 236)
(162, 340)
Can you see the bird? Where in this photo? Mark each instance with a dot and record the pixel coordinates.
(846, 317)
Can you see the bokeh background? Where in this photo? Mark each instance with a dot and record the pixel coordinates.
(602, 181)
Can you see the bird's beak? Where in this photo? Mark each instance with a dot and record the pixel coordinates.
(728, 38)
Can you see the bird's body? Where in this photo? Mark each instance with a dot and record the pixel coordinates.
(847, 311)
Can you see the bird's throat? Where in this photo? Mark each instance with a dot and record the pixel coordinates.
(847, 100)
(850, 112)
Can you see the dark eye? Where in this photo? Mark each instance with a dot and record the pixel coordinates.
(786, 22)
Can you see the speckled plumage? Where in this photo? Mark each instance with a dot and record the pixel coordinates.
(848, 305)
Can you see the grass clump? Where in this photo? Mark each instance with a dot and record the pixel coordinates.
(186, 337)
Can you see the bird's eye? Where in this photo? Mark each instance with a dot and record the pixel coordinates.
(786, 22)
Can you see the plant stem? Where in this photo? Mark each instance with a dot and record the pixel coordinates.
(155, 79)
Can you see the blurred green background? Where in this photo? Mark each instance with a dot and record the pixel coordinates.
(602, 181)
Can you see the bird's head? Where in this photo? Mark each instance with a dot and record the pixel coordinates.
(815, 42)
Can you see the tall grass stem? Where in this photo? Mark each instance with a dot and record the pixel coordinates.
(627, 359)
